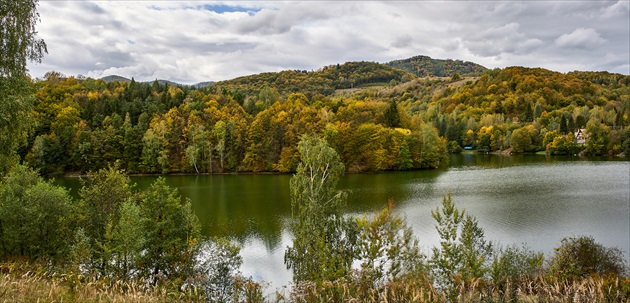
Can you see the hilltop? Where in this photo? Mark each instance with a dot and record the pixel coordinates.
(326, 80)
(117, 78)
(423, 66)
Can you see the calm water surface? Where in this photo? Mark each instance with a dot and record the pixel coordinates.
(529, 199)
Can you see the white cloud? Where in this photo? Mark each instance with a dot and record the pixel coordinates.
(581, 38)
(205, 40)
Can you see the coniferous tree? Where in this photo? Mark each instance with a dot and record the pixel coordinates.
(391, 115)
(563, 125)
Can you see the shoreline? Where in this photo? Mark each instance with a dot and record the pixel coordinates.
(503, 153)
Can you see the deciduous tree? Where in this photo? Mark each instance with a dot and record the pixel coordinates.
(17, 46)
(323, 240)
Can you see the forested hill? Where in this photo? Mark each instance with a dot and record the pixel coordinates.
(86, 124)
(324, 81)
(423, 66)
(525, 93)
(533, 109)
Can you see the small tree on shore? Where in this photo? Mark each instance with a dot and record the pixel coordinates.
(323, 239)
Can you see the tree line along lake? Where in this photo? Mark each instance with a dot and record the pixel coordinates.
(532, 199)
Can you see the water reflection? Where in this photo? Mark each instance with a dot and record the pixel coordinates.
(239, 206)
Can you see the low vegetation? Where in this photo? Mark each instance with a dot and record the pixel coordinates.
(119, 244)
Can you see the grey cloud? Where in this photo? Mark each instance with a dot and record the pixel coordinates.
(91, 7)
(266, 22)
(195, 44)
(499, 32)
(529, 45)
(620, 8)
(228, 47)
(402, 41)
(273, 21)
(495, 41)
(198, 44)
(86, 57)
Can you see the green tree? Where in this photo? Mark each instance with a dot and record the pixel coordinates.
(323, 239)
(387, 249)
(101, 196)
(564, 127)
(598, 138)
(521, 140)
(35, 217)
(17, 37)
(447, 257)
(391, 115)
(132, 145)
(512, 263)
(126, 240)
(171, 232)
(17, 46)
(431, 150)
(155, 152)
(220, 132)
(464, 254)
(404, 156)
(219, 269)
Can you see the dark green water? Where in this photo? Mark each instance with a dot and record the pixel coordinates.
(529, 199)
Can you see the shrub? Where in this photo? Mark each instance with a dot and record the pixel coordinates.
(582, 256)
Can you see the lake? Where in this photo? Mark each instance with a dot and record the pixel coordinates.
(532, 199)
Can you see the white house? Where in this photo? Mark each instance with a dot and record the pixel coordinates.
(580, 136)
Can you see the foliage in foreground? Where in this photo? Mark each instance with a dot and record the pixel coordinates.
(119, 244)
(463, 268)
(113, 239)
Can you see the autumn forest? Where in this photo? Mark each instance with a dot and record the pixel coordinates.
(408, 114)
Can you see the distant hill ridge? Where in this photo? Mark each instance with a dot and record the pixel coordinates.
(346, 75)
(116, 78)
(324, 81)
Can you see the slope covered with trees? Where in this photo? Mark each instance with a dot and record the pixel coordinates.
(423, 66)
(310, 83)
(157, 128)
(528, 110)
(160, 128)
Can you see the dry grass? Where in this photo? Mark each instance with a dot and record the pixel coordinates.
(20, 283)
(539, 290)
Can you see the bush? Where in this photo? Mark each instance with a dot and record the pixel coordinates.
(35, 217)
(513, 263)
(582, 256)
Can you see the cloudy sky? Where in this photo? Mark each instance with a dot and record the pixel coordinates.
(194, 41)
